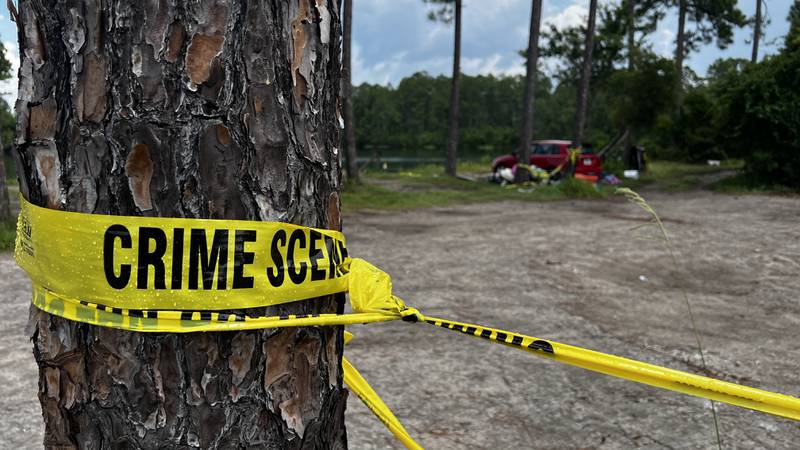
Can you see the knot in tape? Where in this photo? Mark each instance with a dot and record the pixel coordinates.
(371, 291)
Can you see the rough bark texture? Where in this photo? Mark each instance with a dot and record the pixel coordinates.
(455, 103)
(586, 77)
(756, 32)
(347, 92)
(680, 52)
(204, 109)
(528, 108)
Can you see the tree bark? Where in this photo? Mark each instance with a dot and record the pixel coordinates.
(528, 107)
(631, 34)
(347, 93)
(586, 76)
(680, 52)
(632, 53)
(5, 201)
(452, 141)
(179, 108)
(756, 32)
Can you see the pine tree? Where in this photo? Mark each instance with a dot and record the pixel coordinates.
(177, 108)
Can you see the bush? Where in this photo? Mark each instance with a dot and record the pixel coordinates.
(760, 119)
(696, 132)
(573, 188)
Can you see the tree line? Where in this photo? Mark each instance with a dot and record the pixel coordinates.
(609, 84)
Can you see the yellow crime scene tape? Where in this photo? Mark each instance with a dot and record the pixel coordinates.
(186, 275)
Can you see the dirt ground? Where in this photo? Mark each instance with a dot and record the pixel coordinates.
(573, 272)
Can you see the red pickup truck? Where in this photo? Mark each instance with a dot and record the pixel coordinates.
(550, 154)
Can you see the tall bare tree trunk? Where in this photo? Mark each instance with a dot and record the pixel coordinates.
(631, 34)
(184, 108)
(528, 108)
(347, 92)
(756, 32)
(452, 141)
(680, 52)
(586, 77)
(5, 201)
(632, 53)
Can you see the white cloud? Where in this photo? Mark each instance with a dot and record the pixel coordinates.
(665, 43)
(570, 16)
(436, 32)
(488, 14)
(480, 65)
(384, 72)
(8, 88)
(395, 67)
(491, 65)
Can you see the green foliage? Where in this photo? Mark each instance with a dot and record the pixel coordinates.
(792, 42)
(8, 234)
(609, 50)
(443, 10)
(638, 97)
(759, 119)
(715, 21)
(578, 189)
(695, 132)
(7, 124)
(5, 64)
(411, 119)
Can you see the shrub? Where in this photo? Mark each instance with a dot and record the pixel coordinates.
(760, 119)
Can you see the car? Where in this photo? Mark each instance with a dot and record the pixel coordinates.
(550, 154)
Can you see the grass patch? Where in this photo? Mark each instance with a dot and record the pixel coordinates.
(662, 170)
(572, 188)
(8, 234)
(426, 186)
(743, 184)
(11, 174)
(671, 176)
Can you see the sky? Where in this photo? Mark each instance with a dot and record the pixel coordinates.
(394, 38)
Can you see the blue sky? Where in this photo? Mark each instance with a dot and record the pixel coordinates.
(393, 38)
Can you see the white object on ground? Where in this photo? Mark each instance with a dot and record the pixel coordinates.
(632, 174)
(506, 174)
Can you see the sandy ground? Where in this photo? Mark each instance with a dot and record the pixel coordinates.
(567, 271)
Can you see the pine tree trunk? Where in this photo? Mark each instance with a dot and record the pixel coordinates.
(756, 32)
(631, 67)
(178, 108)
(583, 87)
(455, 104)
(347, 92)
(528, 108)
(680, 52)
(631, 34)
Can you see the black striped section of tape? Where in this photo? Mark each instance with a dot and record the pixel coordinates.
(510, 339)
